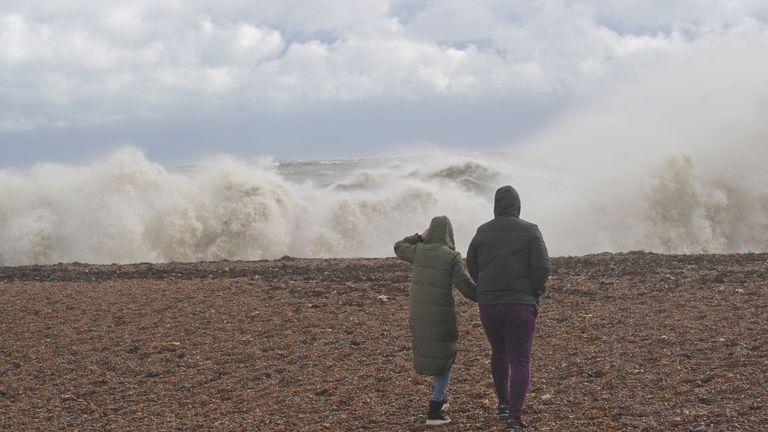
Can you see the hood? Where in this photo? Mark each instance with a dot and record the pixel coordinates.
(507, 202)
(440, 231)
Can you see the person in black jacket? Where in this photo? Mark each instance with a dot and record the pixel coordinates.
(508, 259)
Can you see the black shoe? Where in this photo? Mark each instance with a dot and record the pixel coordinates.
(503, 411)
(515, 423)
(436, 416)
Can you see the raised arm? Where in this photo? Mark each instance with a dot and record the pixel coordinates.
(462, 281)
(406, 248)
(539, 263)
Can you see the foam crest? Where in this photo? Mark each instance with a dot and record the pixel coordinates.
(126, 208)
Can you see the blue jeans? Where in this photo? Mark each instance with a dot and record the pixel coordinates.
(440, 383)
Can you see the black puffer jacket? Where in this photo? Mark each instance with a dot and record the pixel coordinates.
(507, 257)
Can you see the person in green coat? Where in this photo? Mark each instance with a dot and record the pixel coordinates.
(437, 267)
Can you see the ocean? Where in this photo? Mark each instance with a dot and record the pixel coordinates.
(126, 208)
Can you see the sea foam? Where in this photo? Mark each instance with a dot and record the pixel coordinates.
(127, 208)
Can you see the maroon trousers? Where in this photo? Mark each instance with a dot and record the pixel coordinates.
(510, 328)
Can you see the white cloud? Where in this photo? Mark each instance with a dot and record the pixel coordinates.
(265, 42)
(12, 44)
(125, 22)
(115, 59)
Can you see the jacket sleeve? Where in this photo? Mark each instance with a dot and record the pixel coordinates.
(472, 264)
(462, 281)
(406, 248)
(539, 263)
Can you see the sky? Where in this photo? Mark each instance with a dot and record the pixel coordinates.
(311, 79)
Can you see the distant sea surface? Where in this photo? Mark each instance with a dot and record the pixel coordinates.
(127, 208)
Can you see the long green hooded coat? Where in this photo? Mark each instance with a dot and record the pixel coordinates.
(437, 267)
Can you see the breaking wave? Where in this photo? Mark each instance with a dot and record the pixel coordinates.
(128, 209)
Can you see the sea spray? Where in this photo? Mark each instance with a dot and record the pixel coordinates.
(671, 159)
(126, 208)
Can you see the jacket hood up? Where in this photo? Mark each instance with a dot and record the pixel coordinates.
(441, 232)
(506, 202)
